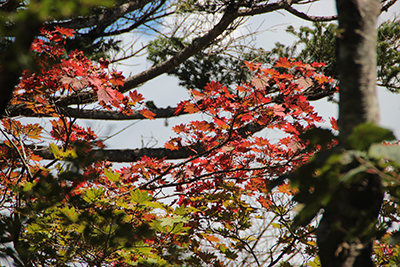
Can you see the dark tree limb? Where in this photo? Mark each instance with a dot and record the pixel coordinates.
(136, 80)
(102, 20)
(95, 114)
(161, 113)
(126, 155)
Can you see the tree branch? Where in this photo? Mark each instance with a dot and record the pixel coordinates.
(305, 16)
(136, 80)
(125, 155)
(106, 19)
(161, 113)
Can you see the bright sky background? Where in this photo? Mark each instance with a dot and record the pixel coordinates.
(165, 91)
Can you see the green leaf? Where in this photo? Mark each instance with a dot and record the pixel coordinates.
(156, 225)
(111, 175)
(93, 194)
(70, 213)
(59, 154)
(139, 197)
(366, 134)
(180, 229)
(384, 151)
(169, 221)
(56, 152)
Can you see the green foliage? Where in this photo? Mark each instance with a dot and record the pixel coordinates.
(313, 44)
(364, 135)
(328, 172)
(388, 59)
(200, 69)
(317, 44)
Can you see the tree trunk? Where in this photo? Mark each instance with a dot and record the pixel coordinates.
(344, 234)
(357, 63)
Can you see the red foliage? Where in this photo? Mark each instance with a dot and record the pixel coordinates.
(230, 161)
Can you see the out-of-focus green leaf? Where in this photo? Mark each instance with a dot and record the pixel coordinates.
(366, 134)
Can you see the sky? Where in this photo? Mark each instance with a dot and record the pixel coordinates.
(165, 91)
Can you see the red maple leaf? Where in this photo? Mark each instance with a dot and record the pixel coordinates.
(135, 96)
(334, 123)
(65, 31)
(106, 94)
(283, 63)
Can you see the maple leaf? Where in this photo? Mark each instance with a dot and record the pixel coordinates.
(170, 146)
(212, 87)
(283, 63)
(148, 114)
(318, 65)
(106, 94)
(304, 82)
(191, 108)
(321, 78)
(260, 82)
(197, 96)
(279, 110)
(201, 125)
(246, 117)
(180, 107)
(179, 128)
(334, 123)
(117, 78)
(65, 31)
(104, 63)
(135, 96)
(76, 83)
(212, 238)
(265, 202)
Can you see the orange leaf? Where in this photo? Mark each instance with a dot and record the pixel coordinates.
(66, 32)
(212, 238)
(170, 146)
(283, 63)
(148, 114)
(212, 87)
(135, 96)
(191, 108)
(179, 128)
(117, 78)
(36, 157)
(334, 123)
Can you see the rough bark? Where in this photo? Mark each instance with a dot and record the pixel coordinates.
(344, 233)
(357, 64)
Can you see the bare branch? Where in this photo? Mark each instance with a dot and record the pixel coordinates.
(126, 155)
(305, 16)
